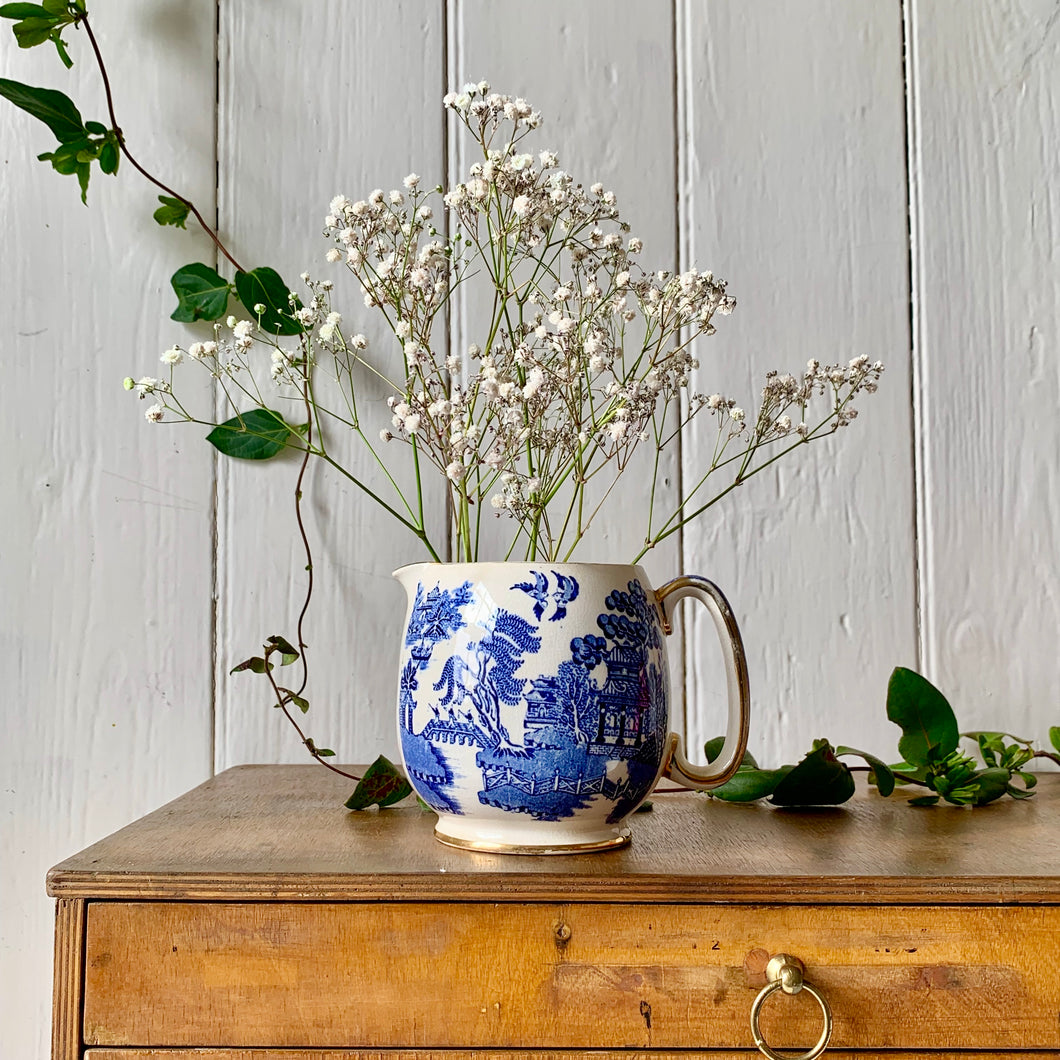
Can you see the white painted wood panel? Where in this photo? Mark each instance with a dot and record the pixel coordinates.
(603, 83)
(317, 100)
(793, 189)
(105, 559)
(986, 92)
(604, 87)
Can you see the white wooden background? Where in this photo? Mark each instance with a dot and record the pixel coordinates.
(871, 177)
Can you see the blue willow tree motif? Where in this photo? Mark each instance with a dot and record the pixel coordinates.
(588, 651)
(435, 617)
(635, 624)
(491, 680)
(572, 696)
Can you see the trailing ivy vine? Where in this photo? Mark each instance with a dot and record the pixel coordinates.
(931, 759)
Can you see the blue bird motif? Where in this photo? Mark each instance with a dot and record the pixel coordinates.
(538, 591)
(566, 592)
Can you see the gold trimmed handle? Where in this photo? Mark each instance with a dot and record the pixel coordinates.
(676, 766)
(786, 973)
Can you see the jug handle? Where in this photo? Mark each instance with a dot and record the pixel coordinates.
(675, 766)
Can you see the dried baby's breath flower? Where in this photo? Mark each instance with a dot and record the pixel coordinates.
(585, 357)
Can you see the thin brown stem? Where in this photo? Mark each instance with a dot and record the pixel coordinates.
(281, 702)
(136, 165)
(302, 531)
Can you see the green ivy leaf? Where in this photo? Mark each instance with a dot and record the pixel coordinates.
(750, 784)
(38, 23)
(929, 728)
(382, 784)
(256, 435)
(48, 105)
(256, 665)
(990, 784)
(171, 212)
(202, 293)
(1054, 737)
(820, 779)
(60, 47)
(288, 653)
(881, 774)
(84, 171)
(263, 286)
(20, 11)
(299, 702)
(991, 745)
(64, 158)
(924, 800)
(109, 157)
(33, 31)
(320, 752)
(712, 748)
(73, 158)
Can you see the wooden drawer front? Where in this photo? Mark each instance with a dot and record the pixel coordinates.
(346, 1054)
(565, 976)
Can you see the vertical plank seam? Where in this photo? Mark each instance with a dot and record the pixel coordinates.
(917, 383)
(222, 479)
(447, 181)
(215, 655)
(682, 251)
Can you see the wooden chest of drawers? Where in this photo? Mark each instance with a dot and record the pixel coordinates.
(255, 919)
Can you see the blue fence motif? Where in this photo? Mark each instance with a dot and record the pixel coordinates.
(593, 727)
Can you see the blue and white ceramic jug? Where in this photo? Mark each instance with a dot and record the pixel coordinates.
(534, 700)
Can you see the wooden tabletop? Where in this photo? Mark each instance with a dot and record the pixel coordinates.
(260, 833)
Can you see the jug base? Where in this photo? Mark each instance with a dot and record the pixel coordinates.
(497, 843)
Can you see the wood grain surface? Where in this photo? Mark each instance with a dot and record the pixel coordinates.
(266, 832)
(68, 980)
(507, 1054)
(401, 974)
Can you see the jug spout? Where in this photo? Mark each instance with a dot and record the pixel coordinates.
(409, 576)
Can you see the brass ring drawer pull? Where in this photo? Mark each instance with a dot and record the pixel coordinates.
(785, 973)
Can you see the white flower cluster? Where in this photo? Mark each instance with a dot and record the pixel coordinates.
(478, 105)
(564, 386)
(783, 394)
(585, 356)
